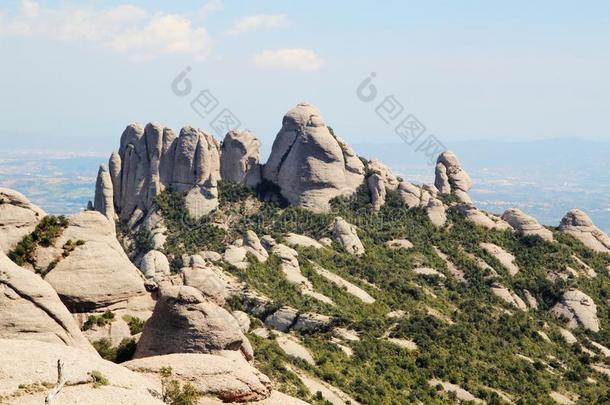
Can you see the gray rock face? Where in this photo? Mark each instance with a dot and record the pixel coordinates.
(97, 273)
(309, 164)
(345, 233)
(104, 194)
(151, 159)
(579, 309)
(184, 321)
(18, 218)
(31, 309)
(522, 222)
(579, 225)
(451, 178)
(380, 179)
(240, 158)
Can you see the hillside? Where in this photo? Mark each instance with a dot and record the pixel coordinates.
(317, 276)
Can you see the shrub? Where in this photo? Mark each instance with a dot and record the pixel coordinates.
(45, 234)
(98, 320)
(136, 325)
(98, 378)
(174, 393)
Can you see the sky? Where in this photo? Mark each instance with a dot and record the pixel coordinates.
(73, 74)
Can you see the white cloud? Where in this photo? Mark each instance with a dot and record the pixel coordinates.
(126, 28)
(258, 22)
(29, 8)
(210, 7)
(293, 58)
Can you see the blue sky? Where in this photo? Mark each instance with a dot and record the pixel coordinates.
(73, 74)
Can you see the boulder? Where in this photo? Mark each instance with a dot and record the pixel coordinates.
(293, 239)
(155, 266)
(253, 245)
(205, 279)
(211, 375)
(309, 164)
(482, 218)
(290, 265)
(508, 296)
(236, 256)
(578, 224)
(450, 178)
(414, 196)
(283, 319)
(29, 368)
(184, 321)
(95, 274)
(240, 158)
(243, 320)
(505, 258)
(104, 194)
(578, 309)
(526, 224)
(32, 310)
(396, 244)
(310, 322)
(436, 211)
(345, 234)
(18, 218)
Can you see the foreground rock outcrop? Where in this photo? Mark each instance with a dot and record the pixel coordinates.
(97, 273)
(18, 218)
(227, 379)
(29, 368)
(184, 321)
(309, 164)
(31, 310)
(579, 225)
(451, 178)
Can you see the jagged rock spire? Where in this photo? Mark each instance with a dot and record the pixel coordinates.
(451, 178)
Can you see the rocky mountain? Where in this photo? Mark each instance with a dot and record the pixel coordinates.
(201, 275)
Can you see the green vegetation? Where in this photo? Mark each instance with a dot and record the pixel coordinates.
(123, 352)
(465, 334)
(143, 240)
(98, 378)
(174, 393)
(186, 234)
(46, 233)
(98, 320)
(231, 192)
(136, 325)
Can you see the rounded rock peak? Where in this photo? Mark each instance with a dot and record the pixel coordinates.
(304, 114)
(576, 217)
(449, 158)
